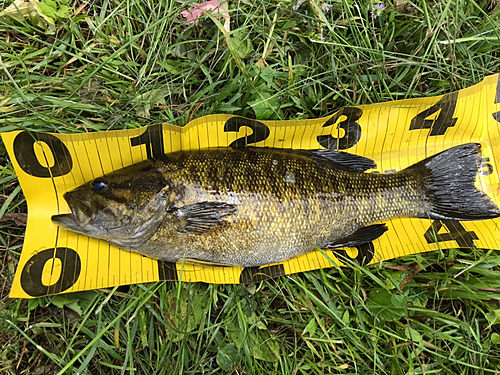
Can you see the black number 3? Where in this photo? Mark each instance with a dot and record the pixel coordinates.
(351, 128)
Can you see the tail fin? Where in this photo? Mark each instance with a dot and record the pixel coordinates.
(448, 181)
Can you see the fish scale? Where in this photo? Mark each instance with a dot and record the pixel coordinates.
(257, 206)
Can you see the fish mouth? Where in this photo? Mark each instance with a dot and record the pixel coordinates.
(66, 221)
(80, 216)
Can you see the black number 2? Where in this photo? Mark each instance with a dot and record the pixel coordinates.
(260, 131)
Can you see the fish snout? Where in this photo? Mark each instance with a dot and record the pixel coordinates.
(80, 210)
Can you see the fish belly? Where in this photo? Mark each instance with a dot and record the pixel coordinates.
(268, 229)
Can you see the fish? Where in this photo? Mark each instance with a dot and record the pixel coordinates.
(256, 206)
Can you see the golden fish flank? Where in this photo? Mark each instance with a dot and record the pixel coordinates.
(257, 206)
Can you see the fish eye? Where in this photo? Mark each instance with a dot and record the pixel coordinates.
(99, 185)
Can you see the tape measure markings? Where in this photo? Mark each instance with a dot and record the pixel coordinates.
(439, 116)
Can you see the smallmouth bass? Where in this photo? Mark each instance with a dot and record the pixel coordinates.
(256, 206)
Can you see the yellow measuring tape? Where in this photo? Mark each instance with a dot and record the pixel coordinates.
(394, 134)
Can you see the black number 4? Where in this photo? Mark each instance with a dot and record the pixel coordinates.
(445, 119)
(496, 115)
(457, 233)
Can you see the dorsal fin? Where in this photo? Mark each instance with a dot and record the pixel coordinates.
(343, 160)
(338, 159)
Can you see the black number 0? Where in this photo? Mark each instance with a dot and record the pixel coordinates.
(26, 158)
(365, 254)
(31, 275)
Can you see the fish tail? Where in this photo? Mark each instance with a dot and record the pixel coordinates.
(447, 180)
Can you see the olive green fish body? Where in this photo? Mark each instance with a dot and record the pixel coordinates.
(258, 206)
(284, 205)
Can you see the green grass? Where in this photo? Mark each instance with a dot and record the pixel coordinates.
(125, 64)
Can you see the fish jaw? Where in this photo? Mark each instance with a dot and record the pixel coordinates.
(80, 209)
(66, 221)
(81, 213)
(77, 221)
(80, 216)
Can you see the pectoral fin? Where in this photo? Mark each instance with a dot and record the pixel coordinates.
(360, 237)
(201, 217)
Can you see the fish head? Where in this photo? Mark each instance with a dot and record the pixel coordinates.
(123, 208)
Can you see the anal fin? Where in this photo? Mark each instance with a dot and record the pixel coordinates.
(202, 263)
(359, 237)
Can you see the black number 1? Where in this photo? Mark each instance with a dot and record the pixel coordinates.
(153, 139)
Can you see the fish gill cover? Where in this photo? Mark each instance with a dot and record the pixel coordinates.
(393, 136)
